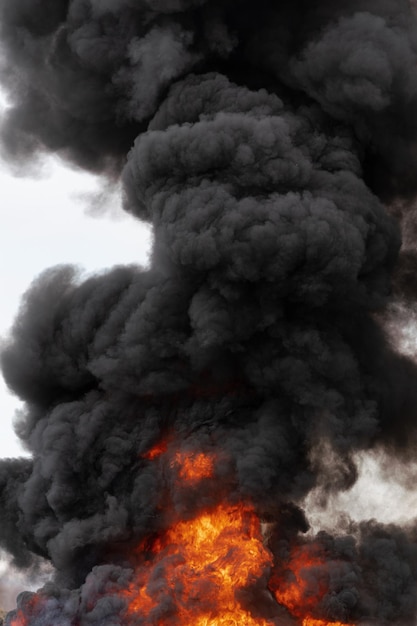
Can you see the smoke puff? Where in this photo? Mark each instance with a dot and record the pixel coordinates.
(13, 472)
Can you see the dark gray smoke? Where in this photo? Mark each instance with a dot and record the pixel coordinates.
(263, 141)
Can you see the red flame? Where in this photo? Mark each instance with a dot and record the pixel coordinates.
(203, 562)
(306, 585)
(195, 466)
(197, 569)
(157, 450)
(23, 617)
(19, 619)
(295, 593)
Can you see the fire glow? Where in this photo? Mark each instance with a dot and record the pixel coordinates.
(19, 620)
(206, 564)
(294, 592)
(204, 560)
(33, 606)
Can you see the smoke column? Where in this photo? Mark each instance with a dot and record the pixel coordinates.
(272, 145)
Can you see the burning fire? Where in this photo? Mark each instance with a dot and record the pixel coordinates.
(203, 571)
(305, 587)
(156, 451)
(19, 619)
(201, 563)
(204, 565)
(194, 467)
(23, 618)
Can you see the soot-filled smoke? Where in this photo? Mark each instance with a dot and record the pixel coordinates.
(263, 141)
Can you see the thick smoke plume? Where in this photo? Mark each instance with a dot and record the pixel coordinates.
(264, 141)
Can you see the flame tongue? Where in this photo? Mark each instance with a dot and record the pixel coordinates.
(222, 552)
(304, 586)
(32, 607)
(194, 467)
(213, 569)
(198, 567)
(201, 571)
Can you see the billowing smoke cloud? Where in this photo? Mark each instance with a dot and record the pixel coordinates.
(263, 141)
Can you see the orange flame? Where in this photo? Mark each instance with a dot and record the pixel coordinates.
(156, 450)
(194, 572)
(295, 593)
(195, 466)
(302, 591)
(19, 619)
(201, 564)
(221, 553)
(23, 619)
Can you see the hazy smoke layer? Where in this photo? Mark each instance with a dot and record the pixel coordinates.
(263, 141)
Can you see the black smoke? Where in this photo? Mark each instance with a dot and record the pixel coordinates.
(266, 142)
